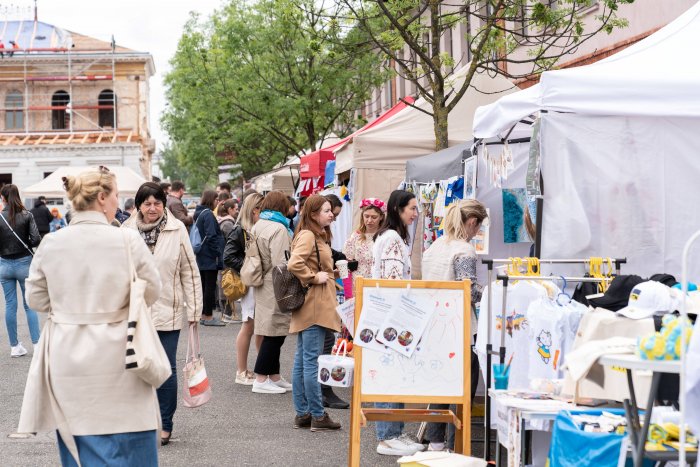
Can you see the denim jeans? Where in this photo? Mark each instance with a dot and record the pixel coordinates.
(306, 389)
(441, 432)
(117, 450)
(13, 271)
(167, 392)
(388, 430)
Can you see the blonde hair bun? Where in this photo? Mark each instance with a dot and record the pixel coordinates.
(82, 189)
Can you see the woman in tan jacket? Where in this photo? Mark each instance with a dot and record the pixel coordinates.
(181, 295)
(272, 236)
(77, 383)
(311, 261)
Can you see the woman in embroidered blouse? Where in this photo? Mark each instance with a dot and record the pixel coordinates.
(452, 258)
(392, 260)
(358, 247)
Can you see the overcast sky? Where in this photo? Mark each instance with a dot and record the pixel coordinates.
(151, 26)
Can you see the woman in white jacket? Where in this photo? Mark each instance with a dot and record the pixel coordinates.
(77, 383)
(181, 295)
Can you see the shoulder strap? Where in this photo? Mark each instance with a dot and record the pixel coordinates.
(318, 255)
(17, 236)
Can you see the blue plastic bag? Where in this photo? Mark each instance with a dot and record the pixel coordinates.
(572, 447)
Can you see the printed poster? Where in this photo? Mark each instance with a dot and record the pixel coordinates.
(346, 311)
(405, 324)
(481, 239)
(375, 309)
(470, 166)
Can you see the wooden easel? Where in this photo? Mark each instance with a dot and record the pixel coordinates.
(462, 419)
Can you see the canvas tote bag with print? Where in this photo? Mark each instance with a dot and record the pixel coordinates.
(196, 388)
(145, 355)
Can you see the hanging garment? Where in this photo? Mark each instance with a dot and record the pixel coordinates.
(517, 341)
(455, 191)
(547, 320)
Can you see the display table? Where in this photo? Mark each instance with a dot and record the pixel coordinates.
(515, 415)
(638, 431)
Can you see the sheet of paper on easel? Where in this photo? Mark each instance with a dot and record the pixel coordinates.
(375, 308)
(405, 324)
(346, 311)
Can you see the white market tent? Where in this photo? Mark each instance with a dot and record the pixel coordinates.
(618, 150)
(128, 182)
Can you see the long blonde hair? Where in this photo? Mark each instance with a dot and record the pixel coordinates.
(83, 189)
(245, 216)
(458, 214)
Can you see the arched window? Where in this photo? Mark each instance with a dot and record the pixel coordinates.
(59, 117)
(108, 109)
(14, 111)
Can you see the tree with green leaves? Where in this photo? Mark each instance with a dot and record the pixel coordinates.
(265, 80)
(515, 38)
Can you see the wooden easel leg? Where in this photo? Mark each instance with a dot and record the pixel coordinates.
(459, 432)
(354, 451)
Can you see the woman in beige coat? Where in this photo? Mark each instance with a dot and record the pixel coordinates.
(77, 383)
(312, 263)
(181, 294)
(272, 236)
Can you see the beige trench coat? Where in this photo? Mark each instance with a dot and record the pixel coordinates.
(181, 286)
(272, 240)
(77, 381)
(321, 302)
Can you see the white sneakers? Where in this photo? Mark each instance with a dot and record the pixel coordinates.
(283, 383)
(18, 350)
(268, 387)
(404, 445)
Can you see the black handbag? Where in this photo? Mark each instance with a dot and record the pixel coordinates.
(290, 294)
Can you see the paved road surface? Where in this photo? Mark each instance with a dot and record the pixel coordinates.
(237, 428)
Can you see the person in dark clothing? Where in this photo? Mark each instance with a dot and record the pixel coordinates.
(42, 216)
(292, 213)
(209, 257)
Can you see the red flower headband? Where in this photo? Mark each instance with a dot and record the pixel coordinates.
(375, 202)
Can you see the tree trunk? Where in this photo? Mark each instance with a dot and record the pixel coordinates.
(440, 125)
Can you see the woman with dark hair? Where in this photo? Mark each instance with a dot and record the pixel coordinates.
(181, 292)
(311, 262)
(18, 234)
(272, 236)
(209, 257)
(392, 260)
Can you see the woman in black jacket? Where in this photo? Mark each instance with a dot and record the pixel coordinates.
(234, 255)
(18, 235)
(209, 255)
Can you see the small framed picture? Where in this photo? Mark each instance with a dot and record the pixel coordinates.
(470, 166)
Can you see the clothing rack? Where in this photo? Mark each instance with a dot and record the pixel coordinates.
(501, 352)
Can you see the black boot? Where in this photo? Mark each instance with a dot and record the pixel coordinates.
(330, 399)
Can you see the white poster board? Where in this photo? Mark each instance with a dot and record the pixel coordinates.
(436, 368)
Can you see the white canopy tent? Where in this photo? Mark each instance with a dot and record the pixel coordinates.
(618, 150)
(378, 156)
(128, 182)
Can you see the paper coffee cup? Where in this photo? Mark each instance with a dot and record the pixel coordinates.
(342, 266)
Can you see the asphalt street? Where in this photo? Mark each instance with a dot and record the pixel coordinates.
(236, 428)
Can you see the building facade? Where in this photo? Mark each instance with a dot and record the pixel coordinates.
(644, 16)
(70, 100)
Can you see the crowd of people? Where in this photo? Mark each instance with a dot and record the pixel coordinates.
(184, 286)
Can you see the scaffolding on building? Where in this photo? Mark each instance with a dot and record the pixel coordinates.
(49, 92)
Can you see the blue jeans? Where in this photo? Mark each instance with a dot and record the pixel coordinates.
(167, 392)
(388, 430)
(306, 389)
(13, 271)
(117, 450)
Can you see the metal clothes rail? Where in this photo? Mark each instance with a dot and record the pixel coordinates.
(501, 352)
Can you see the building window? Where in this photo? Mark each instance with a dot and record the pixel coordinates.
(108, 108)
(14, 119)
(60, 119)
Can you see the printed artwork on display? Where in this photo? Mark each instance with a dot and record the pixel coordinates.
(481, 239)
(470, 166)
(514, 322)
(514, 208)
(544, 345)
